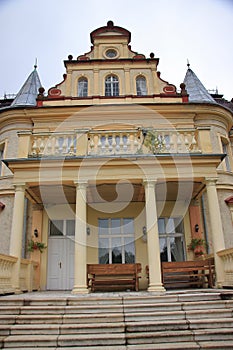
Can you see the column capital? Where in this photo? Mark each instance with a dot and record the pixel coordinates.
(149, 182)
(20, 187)
(81, 184)
(210, 181)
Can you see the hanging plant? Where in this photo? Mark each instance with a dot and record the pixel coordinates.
(197, 246)
(33, 245)
(155, 142)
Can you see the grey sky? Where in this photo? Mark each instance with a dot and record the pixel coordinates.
(174, 30)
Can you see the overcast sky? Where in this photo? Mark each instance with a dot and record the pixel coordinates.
(50, 30)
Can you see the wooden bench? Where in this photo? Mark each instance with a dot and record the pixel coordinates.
(198, 273)
(113, 276)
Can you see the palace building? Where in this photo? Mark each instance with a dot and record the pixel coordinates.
(113, 165)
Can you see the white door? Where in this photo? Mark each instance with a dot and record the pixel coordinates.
(61, 255)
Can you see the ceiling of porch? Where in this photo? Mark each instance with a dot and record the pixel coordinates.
(112, 192)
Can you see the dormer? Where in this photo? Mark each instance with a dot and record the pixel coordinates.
(110, 42)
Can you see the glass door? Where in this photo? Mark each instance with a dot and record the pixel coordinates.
(171, 239)
(116, 241)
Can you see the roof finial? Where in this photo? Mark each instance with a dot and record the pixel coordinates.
(188, 64)
(35, 66)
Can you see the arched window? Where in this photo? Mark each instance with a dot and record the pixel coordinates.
(141, 86)
(111, 86)
(82, 87)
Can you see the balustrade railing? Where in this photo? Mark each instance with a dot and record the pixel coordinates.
(56, 144)
(114, 142)
(227, 258)
(28, 273)
(6, 269)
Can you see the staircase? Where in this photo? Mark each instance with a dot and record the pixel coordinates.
(119, 321)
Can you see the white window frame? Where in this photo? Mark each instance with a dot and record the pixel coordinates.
(82, 87)
(111, 236)
(171, 233)
(141, 86)
(64, 228)
(111, 86)
(226, 150)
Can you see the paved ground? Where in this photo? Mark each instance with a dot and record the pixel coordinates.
(68, 294)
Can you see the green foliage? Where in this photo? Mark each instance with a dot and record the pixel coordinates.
(32, 245)
(196, 242)
(154, 141)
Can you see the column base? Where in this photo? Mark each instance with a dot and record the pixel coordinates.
(80, 290)
(156, 288)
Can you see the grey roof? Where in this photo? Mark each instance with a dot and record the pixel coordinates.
(196, 90)
(28, 93)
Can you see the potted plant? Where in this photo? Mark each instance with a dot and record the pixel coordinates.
(197, 245)
(33, 245)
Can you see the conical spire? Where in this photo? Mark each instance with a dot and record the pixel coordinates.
(196, 90)
(29, 91)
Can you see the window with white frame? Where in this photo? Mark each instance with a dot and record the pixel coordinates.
(171, 239)
(111, 86)
(141, 86)
(82, 87)
(225, 149)
(116, 241)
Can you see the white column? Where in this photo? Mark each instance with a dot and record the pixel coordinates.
(17, 234)
(216, 228)
(80, 260)
(155, 284)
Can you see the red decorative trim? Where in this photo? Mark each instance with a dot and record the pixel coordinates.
(169, 89)
(185, 99)
(2, 206)
(54, 92)
(39, 103)
(83, 58)
(139, 57)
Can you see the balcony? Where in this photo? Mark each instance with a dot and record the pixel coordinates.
(95, 143)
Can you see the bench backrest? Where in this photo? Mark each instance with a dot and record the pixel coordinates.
(113, 269)
(185, 265)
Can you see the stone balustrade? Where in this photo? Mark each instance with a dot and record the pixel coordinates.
(6, 268)
(28, 272)
(114, 142)
(55, 144)
(227, 257)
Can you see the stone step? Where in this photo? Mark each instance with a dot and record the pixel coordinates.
(30, 341)
(172, 297)
(128, 308)
(210, 313)
(200, 305)
(74, 340)
(93, 328)
(213, 334)
(93, 318)
(169, 346)
(156, 326)
(70, 340)
(219, 345)
(209, 323)
(159, 337)
(153, 316)
(182, 336)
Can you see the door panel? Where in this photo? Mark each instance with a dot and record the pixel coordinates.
(60, 263)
